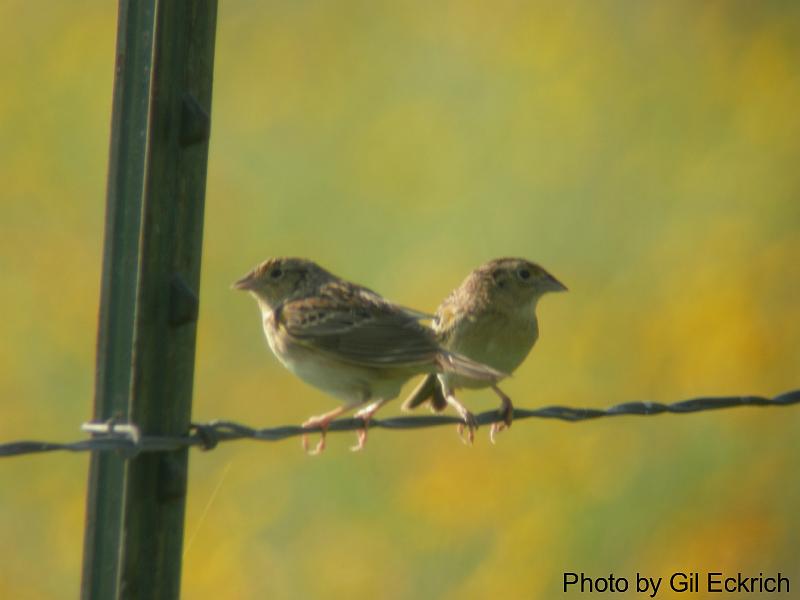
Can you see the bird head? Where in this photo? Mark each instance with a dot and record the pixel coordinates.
(518, 281)
(277, 280)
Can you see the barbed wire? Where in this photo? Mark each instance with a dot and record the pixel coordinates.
(126, 438)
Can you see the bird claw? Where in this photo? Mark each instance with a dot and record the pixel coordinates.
(318, 448)
(320, 445)
(469, 425)
(506, 412)
(495, 429)
(365, 414)
(362, 440)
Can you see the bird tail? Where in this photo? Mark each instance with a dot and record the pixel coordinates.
(428, 389)
(457, 364)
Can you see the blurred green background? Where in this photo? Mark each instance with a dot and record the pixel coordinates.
(645, 153)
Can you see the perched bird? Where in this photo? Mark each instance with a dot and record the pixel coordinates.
(491, 318)
(349, 341)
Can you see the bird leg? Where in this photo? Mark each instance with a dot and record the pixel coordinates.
(323, 421)
(365, 414)
(470, 423)
(506, 411)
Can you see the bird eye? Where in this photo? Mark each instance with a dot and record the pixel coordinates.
(524, 274)
(276, 273)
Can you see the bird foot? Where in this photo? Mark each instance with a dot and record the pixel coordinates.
(362, 440)
(365, 414)
(469, 426)
(506, 412)
(470, 423)
(495, 429)
(322, 421)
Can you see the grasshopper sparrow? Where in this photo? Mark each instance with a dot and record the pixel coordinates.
(490, 318)
(349, 341)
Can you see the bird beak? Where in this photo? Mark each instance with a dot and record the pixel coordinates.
(245, 283)
(556, 285)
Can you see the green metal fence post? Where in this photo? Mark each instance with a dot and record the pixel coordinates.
(136, 507)
(129, 119)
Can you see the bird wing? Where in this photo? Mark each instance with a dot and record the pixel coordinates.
(357, 326)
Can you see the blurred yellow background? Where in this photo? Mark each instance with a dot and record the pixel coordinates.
(645, 153)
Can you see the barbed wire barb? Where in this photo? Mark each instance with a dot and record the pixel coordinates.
(126, 438)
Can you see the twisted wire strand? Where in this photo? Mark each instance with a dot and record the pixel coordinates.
(126, 438)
